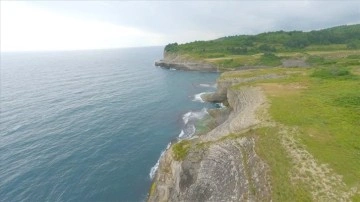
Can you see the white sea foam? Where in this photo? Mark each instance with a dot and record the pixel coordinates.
(186, 117)
(156, 166)
(189, 131)
(199, 114)
(196, 115)
(189, 119)
(197, 97)
(172, 69)
(221, 105)
(181, 134)
(207, 85)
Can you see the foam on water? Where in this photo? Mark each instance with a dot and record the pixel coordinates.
(197, 97)
(187, 132)
(182, 133)
(186, 117)
(220, 105)
(205, 85)
(194, 115)
(156, 166)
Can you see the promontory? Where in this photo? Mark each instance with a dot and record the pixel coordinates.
(290, 128)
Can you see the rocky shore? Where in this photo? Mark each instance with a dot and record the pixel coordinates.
(172, 61)
(221, 165)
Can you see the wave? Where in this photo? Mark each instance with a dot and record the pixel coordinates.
(182, 133)
(156, 166)
(197, 97)
(186, 117)
(207, 85)
(194, 115)
(189, 119)
(187, 132)
(220, 105)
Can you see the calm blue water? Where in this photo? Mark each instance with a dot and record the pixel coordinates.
(89, 125)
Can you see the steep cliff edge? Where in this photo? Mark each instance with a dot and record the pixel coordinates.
(218, 166)
(268, 144)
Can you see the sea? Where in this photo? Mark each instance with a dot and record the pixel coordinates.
(91, 125)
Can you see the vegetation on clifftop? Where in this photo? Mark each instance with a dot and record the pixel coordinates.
(310, 134)
(181, 149)
(247, 50)
(313, 144)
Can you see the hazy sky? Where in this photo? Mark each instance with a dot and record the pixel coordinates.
(67, 25)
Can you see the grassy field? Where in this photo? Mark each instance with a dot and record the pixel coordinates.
(323, 105)
(268, 49)
(315, 143)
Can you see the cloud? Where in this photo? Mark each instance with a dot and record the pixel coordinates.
(161, 22)
(26, 28)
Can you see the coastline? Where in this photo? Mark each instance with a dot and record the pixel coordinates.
(188, 178)
(179, 62)
(254, 149)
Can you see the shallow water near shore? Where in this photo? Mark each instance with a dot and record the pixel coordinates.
(89, 125)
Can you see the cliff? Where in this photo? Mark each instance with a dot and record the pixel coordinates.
(265, 146)
(223, 164)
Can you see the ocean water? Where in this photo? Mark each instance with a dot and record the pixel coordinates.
(91, 125)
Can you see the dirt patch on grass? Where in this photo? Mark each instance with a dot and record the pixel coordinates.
(294, 63)
(275, 89)
(356, 71)
(324, 183)
(334, 54)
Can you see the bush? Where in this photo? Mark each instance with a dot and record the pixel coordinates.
(333, 73)
(266, 48)
(315, 60)
(172, 47)
(348, 101)
(270, 59)
(181, 149)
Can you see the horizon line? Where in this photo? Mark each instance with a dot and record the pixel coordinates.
(80, 49)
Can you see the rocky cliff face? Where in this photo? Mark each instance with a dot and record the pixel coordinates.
(219, 166)
(179, 62)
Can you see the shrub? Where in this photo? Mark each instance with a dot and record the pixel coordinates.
(270, 59)
(181, 149)
(333, 73)
(315, 60)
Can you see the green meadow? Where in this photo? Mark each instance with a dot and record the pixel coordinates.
(312, 141)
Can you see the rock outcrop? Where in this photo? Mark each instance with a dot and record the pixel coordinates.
(228, 170)
(178, 62)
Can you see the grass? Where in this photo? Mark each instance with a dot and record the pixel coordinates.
(329, 114)
(338, 73)
(181, 149)
(315, 58)
(324, 104)
(269, 59)
(269, 148)
(152, 188)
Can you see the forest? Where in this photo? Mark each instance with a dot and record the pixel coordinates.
(343, 37)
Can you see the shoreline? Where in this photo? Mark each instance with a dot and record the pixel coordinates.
(180, 178)
(191, 122)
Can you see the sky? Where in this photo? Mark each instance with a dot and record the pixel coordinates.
(75, 25)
